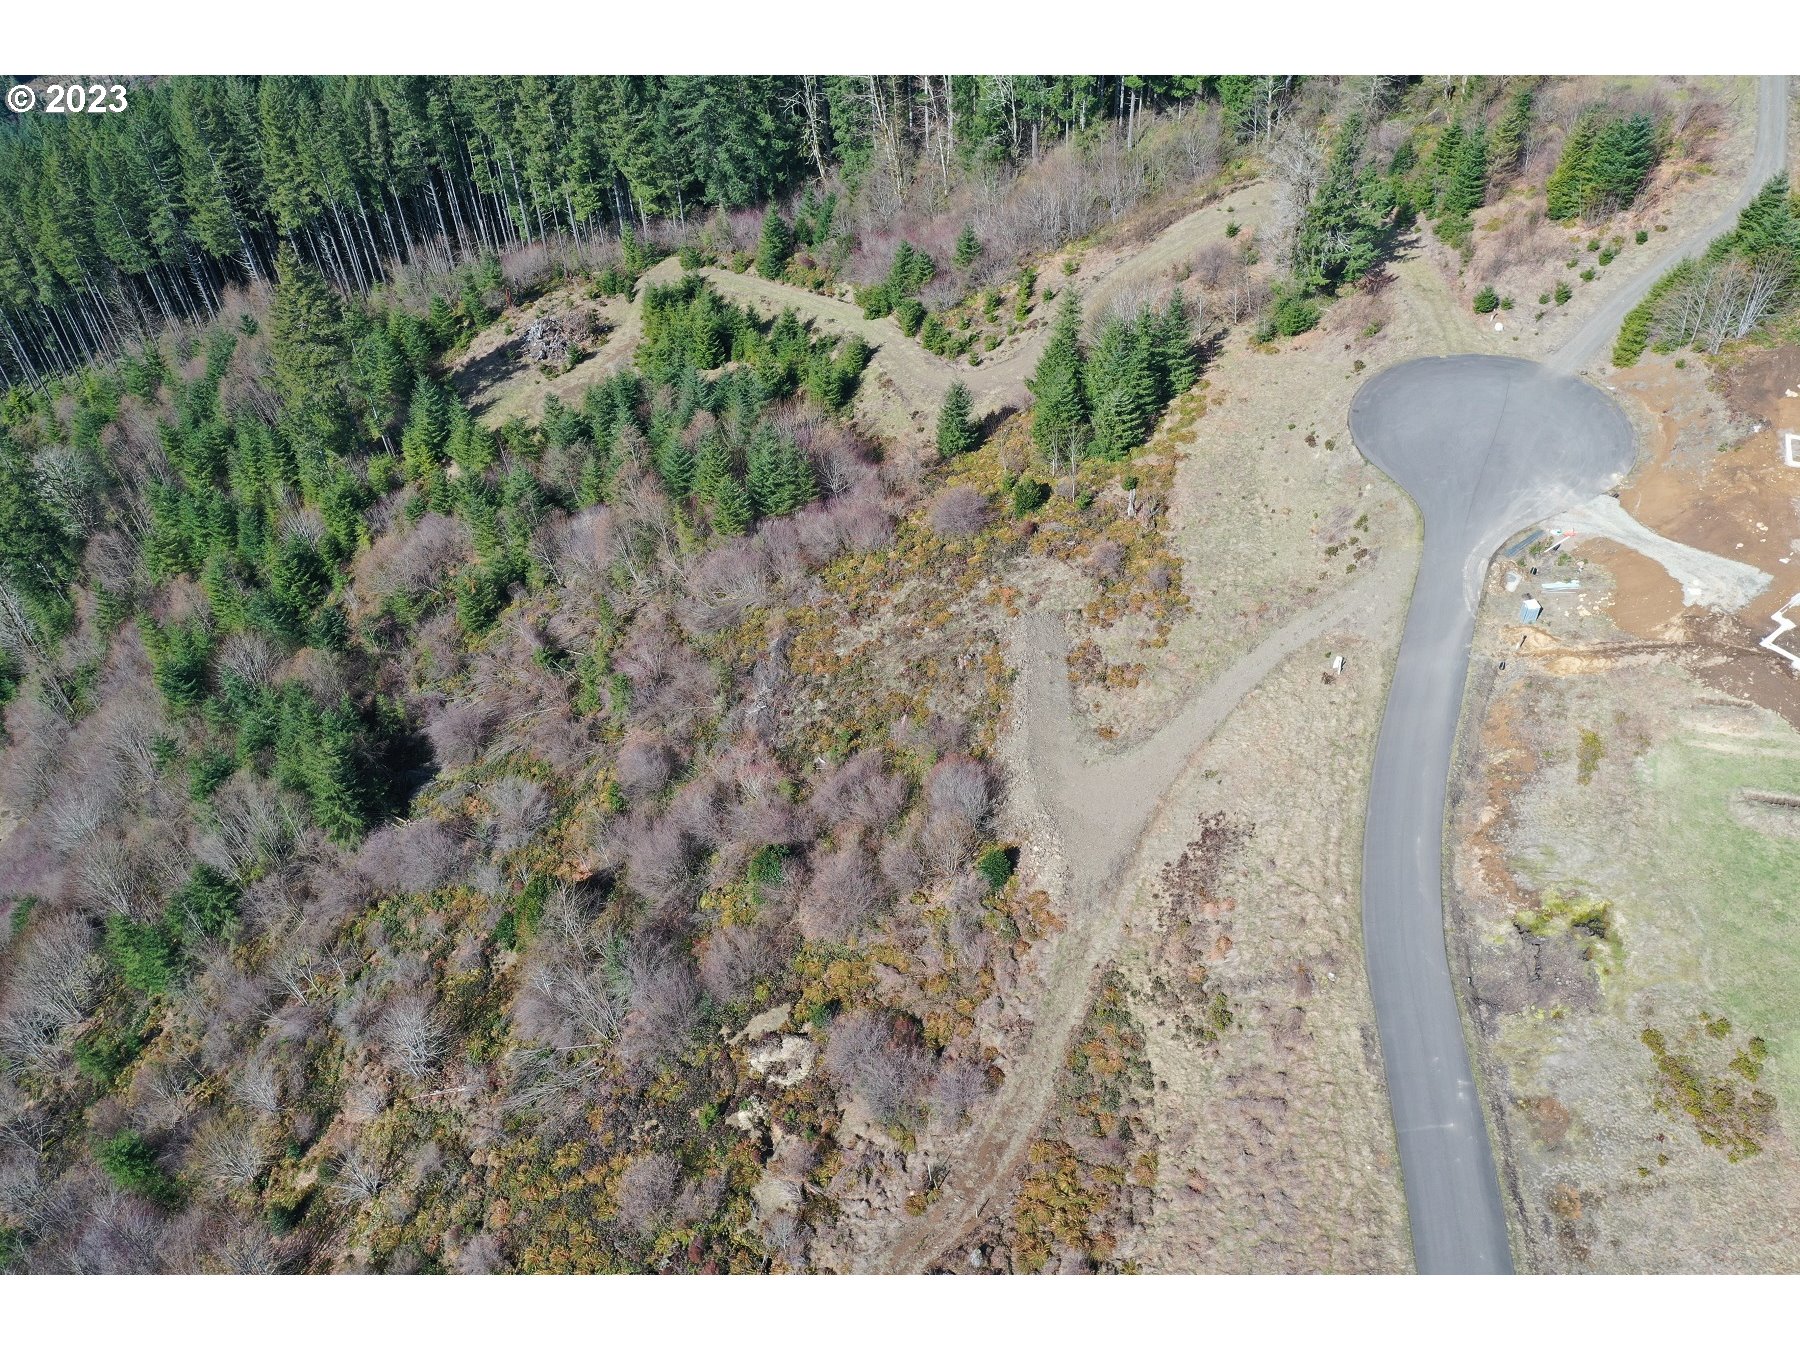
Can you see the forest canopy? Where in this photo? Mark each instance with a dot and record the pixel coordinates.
(109, 224)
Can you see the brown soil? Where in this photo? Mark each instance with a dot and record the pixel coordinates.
(1712, 476)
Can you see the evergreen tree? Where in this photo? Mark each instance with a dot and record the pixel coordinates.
(911, 269)
(762, 471)
(1339, 238)
(1566, 192)
(1467, 185)
(381, 378)
(1059, 410)
(675, 466)
(775, 247)
(37, 556)
(796, 484)
(1506, 145)
(306, 338)
(1623, 153)
(1177, 362)
(968, 247)
(1767, 227)
(1443, 160)
(956, 433)
(717, 486)
(427, 432)
(1121, 382)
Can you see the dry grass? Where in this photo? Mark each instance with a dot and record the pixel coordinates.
(1276, 1148)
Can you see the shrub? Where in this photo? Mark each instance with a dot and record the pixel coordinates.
(1563, 292)
(996, 867)
(876, 301)
(1587, 274)
(958, 512)
(1294, 314)
(1487, 300)
(132, 1164)
(646, 1193)
(865, 1056)
(1643, 236)
(958, 786)
(1027, 495)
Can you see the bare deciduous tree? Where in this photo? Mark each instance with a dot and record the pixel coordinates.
(959, 786)
(841, 897)
(864, 1055)
(521, 808)
(412, 1034)
(644, 764)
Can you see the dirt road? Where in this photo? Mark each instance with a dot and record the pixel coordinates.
(1092, 808)
(905, 384)
(1593, 341)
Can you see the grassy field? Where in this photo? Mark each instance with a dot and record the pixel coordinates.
(1737, 883)
(1630, 930)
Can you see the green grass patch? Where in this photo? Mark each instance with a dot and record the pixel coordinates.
(1737, 882)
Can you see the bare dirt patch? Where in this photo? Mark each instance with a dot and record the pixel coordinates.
(494, 377)
(1712, 475)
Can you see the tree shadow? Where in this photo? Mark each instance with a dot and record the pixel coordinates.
(478, 380)
(991, 422)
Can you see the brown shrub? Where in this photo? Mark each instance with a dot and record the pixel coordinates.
(869, 1055)
(734, 959)
(858, 792)
(647, 1190)
(644, 764)
(958, 512)
(414, 857)
(461, 731)
(419, 559)
(959, 786)
(841, 897)
(521, 807)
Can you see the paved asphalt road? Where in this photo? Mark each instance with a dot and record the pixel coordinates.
(1485, 446)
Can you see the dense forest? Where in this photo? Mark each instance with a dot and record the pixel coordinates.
(110, 223)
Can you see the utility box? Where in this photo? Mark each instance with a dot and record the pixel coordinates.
(1529, 610)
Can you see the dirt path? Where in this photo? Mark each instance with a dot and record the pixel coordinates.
(914, 381)
(905, 383)
(1072, 789)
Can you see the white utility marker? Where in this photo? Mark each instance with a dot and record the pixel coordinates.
(1783, 626)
